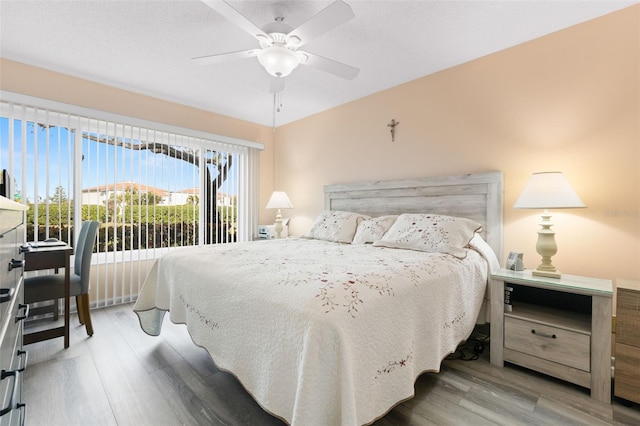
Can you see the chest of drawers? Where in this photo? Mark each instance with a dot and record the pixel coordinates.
(12, 312)
(627, 372)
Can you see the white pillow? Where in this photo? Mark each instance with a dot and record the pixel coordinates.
(481, 246)
(431, 233)
(373, 229)
(336, 226)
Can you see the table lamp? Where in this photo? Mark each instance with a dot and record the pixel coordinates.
(279, 200)
(547, 190)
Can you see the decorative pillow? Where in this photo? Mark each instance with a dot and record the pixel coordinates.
(373, 229)
(336, 226)
(431, 233)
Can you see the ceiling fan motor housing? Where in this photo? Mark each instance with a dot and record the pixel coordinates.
(278, 56)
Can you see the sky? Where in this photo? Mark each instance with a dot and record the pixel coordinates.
(52, 155)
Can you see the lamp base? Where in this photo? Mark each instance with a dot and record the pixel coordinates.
(546, 247)
(548, 274)
(278, 224)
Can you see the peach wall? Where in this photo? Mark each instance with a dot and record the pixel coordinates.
(20, 78)
(568, 101)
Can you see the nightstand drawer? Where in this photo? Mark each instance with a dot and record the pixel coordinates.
(554, 344)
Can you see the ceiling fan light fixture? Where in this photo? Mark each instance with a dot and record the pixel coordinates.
(264, 41)
(278, 60)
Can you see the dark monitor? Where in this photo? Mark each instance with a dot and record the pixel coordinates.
(5, 184)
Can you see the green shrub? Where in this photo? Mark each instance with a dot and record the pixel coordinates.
(136, 227)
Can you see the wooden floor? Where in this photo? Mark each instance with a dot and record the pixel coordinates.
(121, 376)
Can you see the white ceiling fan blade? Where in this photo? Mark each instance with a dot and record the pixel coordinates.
(224, 9)
(224, 57)
(332, 16)
(329, 65)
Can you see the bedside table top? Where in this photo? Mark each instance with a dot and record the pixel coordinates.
(568, 283)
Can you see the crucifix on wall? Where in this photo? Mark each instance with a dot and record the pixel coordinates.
(393, 125)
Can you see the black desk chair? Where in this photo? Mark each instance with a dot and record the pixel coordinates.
(50, 287)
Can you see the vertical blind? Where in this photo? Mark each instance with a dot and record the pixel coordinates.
(152, 187)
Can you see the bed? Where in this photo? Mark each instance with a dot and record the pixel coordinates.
(321, 331)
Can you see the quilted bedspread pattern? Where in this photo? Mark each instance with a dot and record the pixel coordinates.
(319, 333)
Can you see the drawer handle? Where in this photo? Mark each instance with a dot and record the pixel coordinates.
(6, 294)
(3, 375)
(23, 408)
(16, 263)
(25, 360)
(550, 336)
(26, 312)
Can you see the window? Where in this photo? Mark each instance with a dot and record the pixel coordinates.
(152, 187)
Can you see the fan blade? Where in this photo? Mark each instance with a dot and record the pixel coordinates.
(329, 65)
(225, 9)
(224, 57)
(332, 16)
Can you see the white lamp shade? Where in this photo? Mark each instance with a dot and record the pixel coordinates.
(548, 190)
(279, 200)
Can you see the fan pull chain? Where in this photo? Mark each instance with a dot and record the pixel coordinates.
(273, 116)
(277, 106)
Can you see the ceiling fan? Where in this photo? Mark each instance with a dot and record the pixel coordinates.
(279, 42)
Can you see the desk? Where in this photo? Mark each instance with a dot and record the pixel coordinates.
(50, 258)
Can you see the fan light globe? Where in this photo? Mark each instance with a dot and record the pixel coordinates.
(278, 61)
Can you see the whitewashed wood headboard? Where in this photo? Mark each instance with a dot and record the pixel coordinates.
(477, 196)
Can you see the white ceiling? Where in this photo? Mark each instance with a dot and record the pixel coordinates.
(146, 46)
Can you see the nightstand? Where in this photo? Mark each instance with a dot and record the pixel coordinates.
(557, 326)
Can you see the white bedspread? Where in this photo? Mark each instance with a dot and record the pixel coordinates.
(319, 333)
